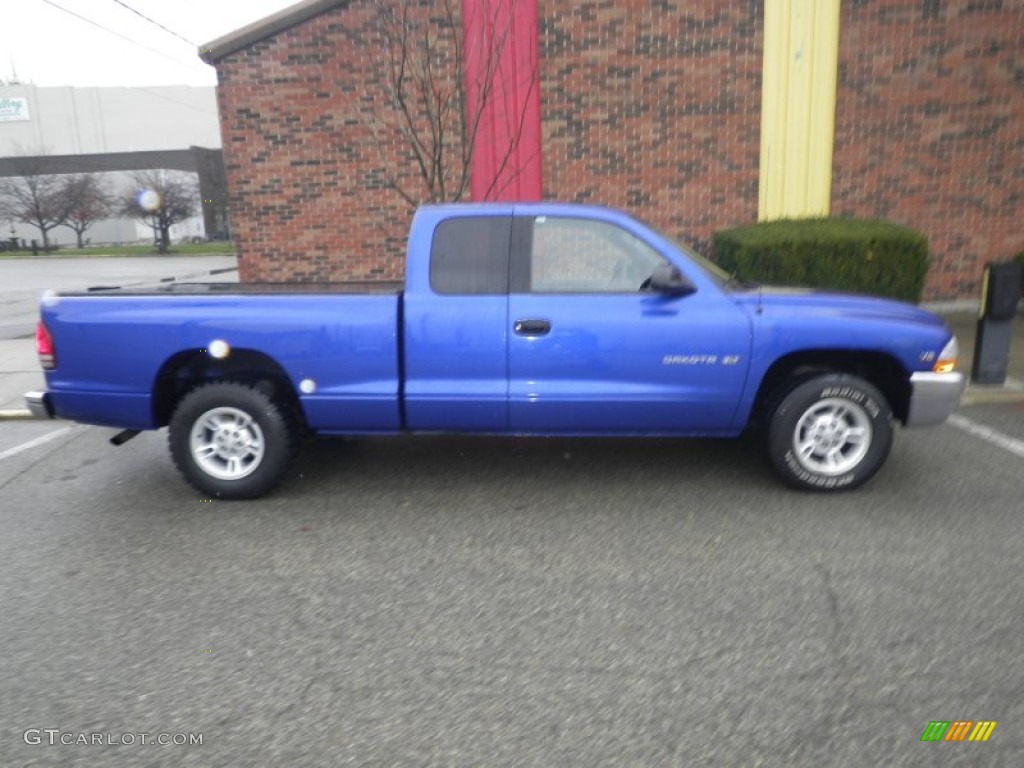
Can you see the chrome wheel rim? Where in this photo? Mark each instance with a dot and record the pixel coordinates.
(227, 443)
(832, 437)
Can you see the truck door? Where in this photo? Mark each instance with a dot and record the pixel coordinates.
(456, 327)
(590, 351)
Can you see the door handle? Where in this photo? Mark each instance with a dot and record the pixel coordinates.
(531, 327)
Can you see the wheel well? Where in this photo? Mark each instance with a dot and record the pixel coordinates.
(184, 371)
(883, 371)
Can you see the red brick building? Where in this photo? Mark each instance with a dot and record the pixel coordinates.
(654, 107)
(930, 128)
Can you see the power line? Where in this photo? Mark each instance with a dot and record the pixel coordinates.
(157, 23)
(170, 98)
(117, 34)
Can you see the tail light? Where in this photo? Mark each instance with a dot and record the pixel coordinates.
(44, 348)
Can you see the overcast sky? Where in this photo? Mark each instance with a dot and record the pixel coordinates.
(48, 46)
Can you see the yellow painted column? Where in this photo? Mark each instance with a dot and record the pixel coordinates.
(798, 107)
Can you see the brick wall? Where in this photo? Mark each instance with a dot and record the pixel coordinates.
(650, 107)
(930, 128)
(655, 108)
(308, 153)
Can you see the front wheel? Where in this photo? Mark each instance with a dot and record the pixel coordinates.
(231, 441)
(830, 432)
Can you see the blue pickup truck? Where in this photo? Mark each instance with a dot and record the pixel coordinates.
(538, 319)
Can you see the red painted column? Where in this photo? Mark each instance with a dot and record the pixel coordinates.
(503, 98)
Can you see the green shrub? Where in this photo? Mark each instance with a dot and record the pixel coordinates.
(859, 255)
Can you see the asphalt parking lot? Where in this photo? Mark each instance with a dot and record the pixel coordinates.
(489, 602)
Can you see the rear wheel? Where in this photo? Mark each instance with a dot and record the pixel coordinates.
(829, 432)
(231, 440)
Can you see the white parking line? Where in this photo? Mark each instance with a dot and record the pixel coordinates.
(989, 435)
(33, 443)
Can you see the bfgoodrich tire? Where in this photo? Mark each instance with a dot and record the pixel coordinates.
(829, 432)
(231, 440)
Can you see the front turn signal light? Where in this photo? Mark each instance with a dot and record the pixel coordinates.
(949, 357)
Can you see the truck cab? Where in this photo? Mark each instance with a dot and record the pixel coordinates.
(567, 333)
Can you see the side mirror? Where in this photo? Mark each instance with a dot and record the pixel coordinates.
(668, 279)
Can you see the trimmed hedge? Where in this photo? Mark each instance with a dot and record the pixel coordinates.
(859, 255)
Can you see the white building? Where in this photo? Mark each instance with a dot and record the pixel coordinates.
(74, 121)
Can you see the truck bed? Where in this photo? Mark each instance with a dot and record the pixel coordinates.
(336, 343)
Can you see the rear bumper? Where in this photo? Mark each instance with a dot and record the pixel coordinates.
(39, 404)
(933, 397)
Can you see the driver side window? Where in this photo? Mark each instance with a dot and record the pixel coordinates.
(585, 256)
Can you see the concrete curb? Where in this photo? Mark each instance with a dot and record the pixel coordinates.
(18, 414)
(982, 395)
(193, 275)
(955, 307)
(164, 280)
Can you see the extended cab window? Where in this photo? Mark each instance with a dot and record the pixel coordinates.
(585, 256)
(469, 256)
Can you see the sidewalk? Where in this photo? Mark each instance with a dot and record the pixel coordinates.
(24, 280)
(19, 373)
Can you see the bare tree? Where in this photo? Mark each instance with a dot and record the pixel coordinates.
(89, 202)
(432, 110)
(35, 198)
(161, 199)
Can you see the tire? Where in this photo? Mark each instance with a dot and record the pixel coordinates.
(829, 432)
(231, 440)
